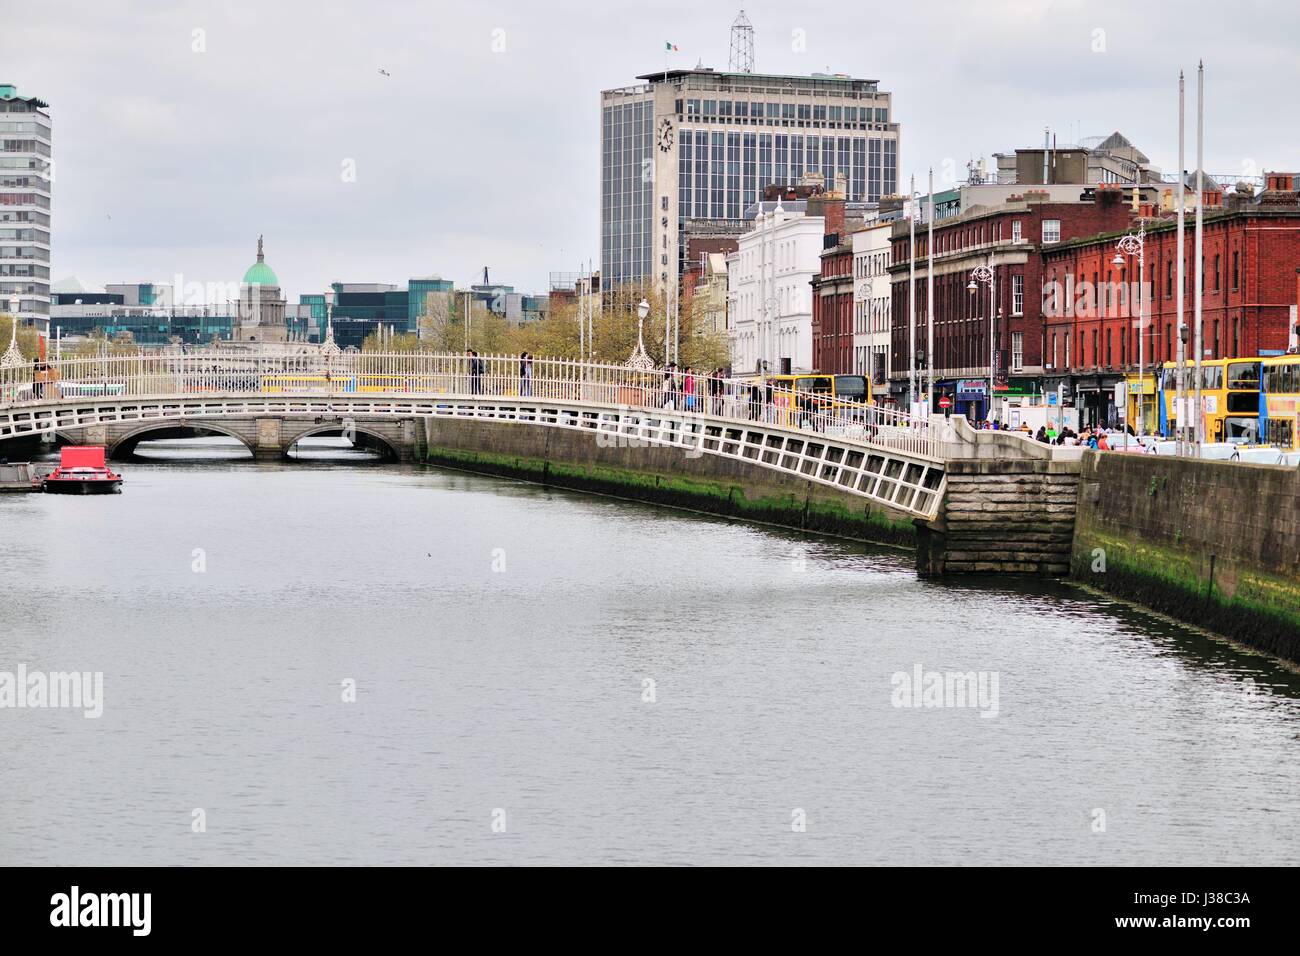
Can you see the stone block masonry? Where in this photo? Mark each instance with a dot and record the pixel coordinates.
(1212, 543)
(1003, 517)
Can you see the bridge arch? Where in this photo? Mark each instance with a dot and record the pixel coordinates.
(375, 438)
(125, 445)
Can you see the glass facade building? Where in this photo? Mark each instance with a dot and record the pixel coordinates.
(25, 158)
(703, 145)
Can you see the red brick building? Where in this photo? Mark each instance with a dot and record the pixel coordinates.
(1009, 239)
(832, 308)
(1251, 251)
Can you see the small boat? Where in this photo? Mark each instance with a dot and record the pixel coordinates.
(82, 471)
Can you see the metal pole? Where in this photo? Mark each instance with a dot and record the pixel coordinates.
(1180, 428)
(911, 301)
(1198, 421)
(993, 330)
(929, 304)
(1142, 273)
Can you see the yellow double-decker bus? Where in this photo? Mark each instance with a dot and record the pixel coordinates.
(1230, 397)
(1279, 402)
(818, 392)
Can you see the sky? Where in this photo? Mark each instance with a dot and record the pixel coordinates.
(185, 129)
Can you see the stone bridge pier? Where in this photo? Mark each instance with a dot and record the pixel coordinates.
(267, 438)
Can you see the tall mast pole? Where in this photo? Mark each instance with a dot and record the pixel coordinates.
(1199, 421)
(1181, 402)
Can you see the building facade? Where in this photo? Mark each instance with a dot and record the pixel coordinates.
(871, 303)
(1093, 339)
(769, 292)
(25, 180)
(970, 348)
(700, 144)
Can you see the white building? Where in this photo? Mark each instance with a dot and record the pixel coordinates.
(769, 298)
(25, 179)
(871, 296)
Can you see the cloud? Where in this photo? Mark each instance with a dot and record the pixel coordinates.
(482, 145)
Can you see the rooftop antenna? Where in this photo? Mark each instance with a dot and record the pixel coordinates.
(742, 45)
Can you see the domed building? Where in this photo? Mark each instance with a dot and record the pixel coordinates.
(261, 307)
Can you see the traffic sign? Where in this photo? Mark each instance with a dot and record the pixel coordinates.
(944, 401)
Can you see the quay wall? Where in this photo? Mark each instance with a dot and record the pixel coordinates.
(666, 476)
(1212, 543)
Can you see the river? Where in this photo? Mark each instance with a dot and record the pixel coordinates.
(548, 677)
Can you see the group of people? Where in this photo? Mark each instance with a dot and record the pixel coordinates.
(685, 390)
(1098, 439)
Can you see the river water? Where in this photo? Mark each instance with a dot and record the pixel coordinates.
(547, 677)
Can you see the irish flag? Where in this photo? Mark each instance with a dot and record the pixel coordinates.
(670, 47)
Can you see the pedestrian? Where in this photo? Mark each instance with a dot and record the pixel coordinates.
(525, 374)
(667, 392)
(1042, 434)
(688, 388)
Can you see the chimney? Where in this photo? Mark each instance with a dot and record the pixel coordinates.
(831, 208)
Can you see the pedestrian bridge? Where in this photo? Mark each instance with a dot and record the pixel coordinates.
(270, 401)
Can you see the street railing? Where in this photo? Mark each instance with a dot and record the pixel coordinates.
(215, 373)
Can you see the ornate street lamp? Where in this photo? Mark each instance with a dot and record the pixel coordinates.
(978, 275)
(329, 348)
(640, 360)
(1135, 245)
(12, 357)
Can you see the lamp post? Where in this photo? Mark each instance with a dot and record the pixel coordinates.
(329, 348)
(12, 357)
(978, 275)
(639, 360)
(1135, 245)
(911, 299)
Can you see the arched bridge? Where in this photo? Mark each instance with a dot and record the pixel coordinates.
(271, 400)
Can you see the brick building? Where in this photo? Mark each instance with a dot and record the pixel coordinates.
(832, 296)
(1251, 251)
(1009, 238)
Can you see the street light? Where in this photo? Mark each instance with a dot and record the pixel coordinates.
(329, 347)
(12, 356)
(1134, 244)
(978, 275)
(639, 360)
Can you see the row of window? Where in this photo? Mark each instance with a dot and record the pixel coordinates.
(720, 174)
(1125, 346)
(954, 240)
(726, 110)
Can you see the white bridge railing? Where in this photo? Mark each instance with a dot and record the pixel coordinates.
(214, 373)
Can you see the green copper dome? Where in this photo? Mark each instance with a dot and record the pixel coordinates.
(259, 273)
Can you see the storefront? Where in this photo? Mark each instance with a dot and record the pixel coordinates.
(970, 397)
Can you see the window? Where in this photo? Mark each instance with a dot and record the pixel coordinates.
(1015, 230)
(1051, 230)
(1017, 295)
(1017, 351)
(1236, 269)
(1067, 350)
(1216, 273)
(1169, 279)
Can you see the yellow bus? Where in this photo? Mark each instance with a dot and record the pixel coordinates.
(1279, 402)
(1230, 396)
(819, 392)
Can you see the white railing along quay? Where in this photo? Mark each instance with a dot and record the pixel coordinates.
(217, 373)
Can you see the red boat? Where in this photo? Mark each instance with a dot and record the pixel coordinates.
(82, 471)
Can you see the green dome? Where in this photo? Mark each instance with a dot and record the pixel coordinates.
(259, 273)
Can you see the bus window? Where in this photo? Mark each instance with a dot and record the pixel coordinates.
(814, 383)
(1243, 375)
(851, 387)
(1243, 403)
(1211, 377)
(1241, 431)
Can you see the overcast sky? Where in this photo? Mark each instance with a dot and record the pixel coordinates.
(171, 160)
